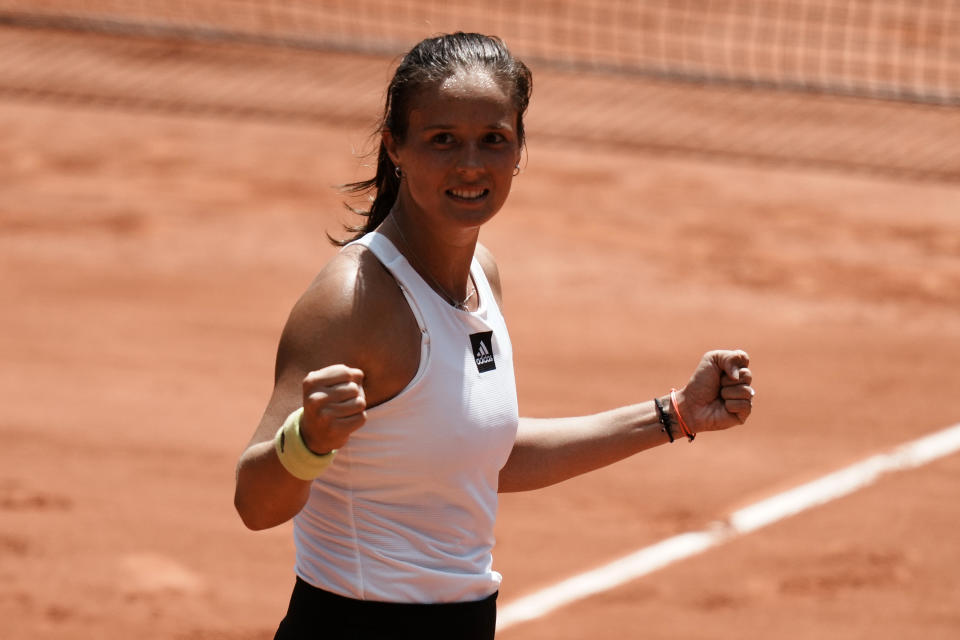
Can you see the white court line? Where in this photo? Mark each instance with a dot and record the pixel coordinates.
(760, 514)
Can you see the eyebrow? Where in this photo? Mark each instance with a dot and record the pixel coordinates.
(498, 125)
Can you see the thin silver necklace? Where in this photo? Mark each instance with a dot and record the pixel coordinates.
(436, 285)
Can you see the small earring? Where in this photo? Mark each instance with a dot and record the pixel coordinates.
(516, 170)
(398, 173)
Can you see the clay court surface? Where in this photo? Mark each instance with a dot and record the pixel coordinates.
(147, 264)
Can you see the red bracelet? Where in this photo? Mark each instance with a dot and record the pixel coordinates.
(683, 425)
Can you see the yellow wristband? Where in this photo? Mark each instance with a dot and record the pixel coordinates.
(293, 452)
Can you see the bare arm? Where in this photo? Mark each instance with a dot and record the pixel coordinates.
(551, 450)
(338, 320)
(548, 451)
(266, 494)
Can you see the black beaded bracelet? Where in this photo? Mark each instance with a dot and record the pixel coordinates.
(664, 418)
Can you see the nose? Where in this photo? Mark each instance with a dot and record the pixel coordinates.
(470, 161)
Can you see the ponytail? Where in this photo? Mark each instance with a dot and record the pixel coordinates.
(385, 185)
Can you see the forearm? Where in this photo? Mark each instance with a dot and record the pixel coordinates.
(266, 494)
(548, 451)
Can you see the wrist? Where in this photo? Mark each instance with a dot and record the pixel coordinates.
(668, 424)
(678, 406)
(307, 441)
(293, 453)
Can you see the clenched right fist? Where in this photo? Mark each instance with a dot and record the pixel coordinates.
(333, 407)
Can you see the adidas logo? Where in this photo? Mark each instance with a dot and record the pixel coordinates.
(482, 346)
(483, 355)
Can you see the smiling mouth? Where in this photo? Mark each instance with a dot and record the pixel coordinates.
(468, 195)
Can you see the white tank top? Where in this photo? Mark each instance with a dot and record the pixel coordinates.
(406, 511)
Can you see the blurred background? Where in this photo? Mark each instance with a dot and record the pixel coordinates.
(824, 83)
(781, 176)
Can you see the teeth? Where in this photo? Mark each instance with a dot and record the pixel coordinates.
(468, 194)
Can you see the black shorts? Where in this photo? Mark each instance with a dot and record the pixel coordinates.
(315, 614)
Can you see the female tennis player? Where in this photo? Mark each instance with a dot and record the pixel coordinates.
(393, 422)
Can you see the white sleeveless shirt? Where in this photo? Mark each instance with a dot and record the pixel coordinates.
(406, 511)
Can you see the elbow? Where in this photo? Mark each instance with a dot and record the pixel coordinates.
(250, 509)
(265, 500)
(250, 518)
(244, 506)
(247, 502)
(256, 525)
(255, 519)
(259, 512)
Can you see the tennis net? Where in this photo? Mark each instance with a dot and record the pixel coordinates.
(769, 81)
(899, 49)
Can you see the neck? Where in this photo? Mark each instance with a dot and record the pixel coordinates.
(444, 263)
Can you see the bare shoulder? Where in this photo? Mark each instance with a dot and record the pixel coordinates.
(490, 269)
(340, 319)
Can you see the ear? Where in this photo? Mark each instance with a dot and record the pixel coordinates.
(390, 144)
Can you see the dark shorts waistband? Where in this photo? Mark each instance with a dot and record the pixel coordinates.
(316, 613)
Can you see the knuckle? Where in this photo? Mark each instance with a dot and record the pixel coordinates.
(315, 399)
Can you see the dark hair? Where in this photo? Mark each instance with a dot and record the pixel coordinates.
(432, 61)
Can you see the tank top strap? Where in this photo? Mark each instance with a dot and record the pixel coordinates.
(484, 290)
(386, 253)
(409, 280)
